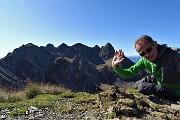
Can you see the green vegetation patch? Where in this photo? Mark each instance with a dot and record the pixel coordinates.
(67, 95)
(9, 105)
(65, 107)
(133, 91)
(43, 100)
(18, 111)
(83, 97)
(47, 97)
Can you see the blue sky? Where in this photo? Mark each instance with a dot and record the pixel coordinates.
(90, 22)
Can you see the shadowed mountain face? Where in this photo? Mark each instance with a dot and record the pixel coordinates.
(77, 67)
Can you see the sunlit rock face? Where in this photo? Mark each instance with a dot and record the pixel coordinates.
(77, 67)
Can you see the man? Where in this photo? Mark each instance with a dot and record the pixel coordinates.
(163, 63)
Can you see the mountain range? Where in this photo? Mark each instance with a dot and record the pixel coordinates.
(77, 67)
(134, 58)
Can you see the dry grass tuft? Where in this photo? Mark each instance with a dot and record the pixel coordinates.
(11, 96)
(53, 89)
(30, 91)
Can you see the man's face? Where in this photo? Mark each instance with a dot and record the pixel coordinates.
(147, 50)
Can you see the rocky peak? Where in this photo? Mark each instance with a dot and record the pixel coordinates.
(29, 45)
(107, 51)
(97, 48)
(50, 46)
(77, 67)
(79, 45)
(62, 46)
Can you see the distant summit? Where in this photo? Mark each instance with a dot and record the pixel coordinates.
(77, 67)
(134, 58)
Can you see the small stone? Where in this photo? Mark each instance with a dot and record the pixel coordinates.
(40, 115)
(115, 119)
(31, 118)
(110, 109)
(136, 119)
(27, 112)
(3, 117)
(34, 108)
(178, 102)
(175, 106)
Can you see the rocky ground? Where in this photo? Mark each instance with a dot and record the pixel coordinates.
(113, 104)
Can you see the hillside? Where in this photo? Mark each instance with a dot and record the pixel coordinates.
(46, 102)
(77, 67)
(73, 82)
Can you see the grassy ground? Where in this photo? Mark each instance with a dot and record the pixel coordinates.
(116, 102)
(47, 96)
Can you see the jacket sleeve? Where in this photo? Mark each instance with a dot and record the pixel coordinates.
(130, 72)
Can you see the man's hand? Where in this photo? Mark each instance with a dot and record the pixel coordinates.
(118, 58)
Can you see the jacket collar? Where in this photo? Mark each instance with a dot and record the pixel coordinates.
(161, 52)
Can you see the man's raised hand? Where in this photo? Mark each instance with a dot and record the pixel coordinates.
(118, 58)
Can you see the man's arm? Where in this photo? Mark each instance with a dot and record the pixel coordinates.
(130, 72)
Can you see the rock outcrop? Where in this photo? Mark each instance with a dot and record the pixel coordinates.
(77, 67)
(110, 104)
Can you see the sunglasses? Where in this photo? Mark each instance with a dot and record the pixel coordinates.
(148, 50)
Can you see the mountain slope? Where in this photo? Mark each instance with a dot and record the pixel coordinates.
(77, 67)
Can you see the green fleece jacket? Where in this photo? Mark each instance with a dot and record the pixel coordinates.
(166, 68)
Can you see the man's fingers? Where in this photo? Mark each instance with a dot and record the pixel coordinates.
(118, 57)
(115, 53)
(122, 54)
(121, 60)
(115, 58)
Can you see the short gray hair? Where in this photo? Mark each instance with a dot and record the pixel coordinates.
(145, 37)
